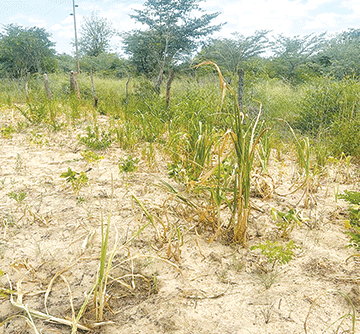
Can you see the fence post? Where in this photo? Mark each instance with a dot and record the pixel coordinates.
(168, 88)
(74, 86)
(27, 97)
(47, 87)
(93, 90)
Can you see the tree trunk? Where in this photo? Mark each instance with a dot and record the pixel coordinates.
(127, 88)
(93, 90)
(240, 96)
(74, 86)
(47, 87)
(159, 79)
(168, 88)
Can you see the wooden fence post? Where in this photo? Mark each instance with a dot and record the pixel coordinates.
(27, 97)
(93, 90)
(47, 87)
(74, 86)
(168, 88)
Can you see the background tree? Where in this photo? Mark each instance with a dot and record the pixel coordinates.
(96, 33)
(25, 50)
(106, 64)
(173, 32)
(341, 55)
(142, 45)
(231, 54)
(66, 63)
(293, 57)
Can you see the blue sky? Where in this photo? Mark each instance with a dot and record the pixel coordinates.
(289, 17)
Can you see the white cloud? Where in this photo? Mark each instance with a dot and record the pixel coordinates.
(63, 30)
(322, 22)
(353, 5)
(36, 22)
(288, 17)
(282, 16)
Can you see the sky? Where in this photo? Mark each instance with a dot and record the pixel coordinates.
(287, 17)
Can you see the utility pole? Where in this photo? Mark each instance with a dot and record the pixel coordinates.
(76, 40)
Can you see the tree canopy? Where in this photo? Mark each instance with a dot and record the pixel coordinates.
(292, 56)
(232, 53)
(341, 55)
(25, 50)
(172, 33)
(96, 33)
(106, 64)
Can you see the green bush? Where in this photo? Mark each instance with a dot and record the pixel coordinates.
(324, 102)
(280, 100)
(345, 137)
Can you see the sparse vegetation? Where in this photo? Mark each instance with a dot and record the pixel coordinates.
(353, 225)
(96, 140)
(77, 180)
(220, 186)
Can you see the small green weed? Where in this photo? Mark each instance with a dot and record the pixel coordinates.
(276, 254)
(6, 131)
(154, 283)
(128, 165)
(18, 197)
(96, 140)
(80, 200)
(38, 139)
(286, 221)
(77, 180)
(90, 156)
(353, 198)
(34, 114)
(176, 171)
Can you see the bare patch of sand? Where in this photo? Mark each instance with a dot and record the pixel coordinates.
(219, 289)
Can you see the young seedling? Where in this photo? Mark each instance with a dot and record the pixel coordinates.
(353, 225)
(275, 255)
(96, 140)
(127, 167)
(18, 197)
(6, 131)
(286, 221)
(77, 180)
(38, 139)
(91, 157)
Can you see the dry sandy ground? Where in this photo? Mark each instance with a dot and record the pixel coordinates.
(201, 287)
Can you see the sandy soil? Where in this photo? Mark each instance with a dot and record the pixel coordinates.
(194, 286)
